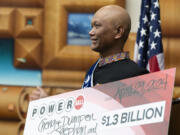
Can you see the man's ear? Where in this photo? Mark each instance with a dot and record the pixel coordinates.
(119, 32)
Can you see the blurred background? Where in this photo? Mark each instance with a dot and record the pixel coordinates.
(46, 43)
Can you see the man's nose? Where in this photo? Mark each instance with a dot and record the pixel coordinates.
(91, 32)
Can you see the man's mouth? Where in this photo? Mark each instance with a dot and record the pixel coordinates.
(93, 40)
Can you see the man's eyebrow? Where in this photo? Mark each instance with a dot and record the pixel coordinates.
(95, 22)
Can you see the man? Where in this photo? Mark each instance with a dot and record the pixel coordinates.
(110, 29)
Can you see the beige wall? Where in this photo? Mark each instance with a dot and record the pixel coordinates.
(133, 8)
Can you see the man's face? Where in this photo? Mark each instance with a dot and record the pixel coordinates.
(102, 32)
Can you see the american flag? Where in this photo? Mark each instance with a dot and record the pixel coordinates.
(148, 52)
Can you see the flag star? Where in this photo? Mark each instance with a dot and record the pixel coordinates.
(147, 6)
(145, 19)
(144, 60)
(151, 28)
(143, 32)
(148, 53)
(153, 15)
(153, 45)
(159, 21)
(156, 4)
(156, 33)
(141, 44)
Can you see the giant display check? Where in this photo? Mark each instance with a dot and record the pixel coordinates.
(135, 106)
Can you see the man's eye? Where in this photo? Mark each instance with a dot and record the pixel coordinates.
(97, 25)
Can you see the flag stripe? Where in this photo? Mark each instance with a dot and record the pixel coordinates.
(153, 63)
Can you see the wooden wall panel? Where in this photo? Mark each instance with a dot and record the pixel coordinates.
(10, 105)
(88, 5)
(24, 3)
(172, 55)
(6, 22)
(23, 29)
(28, 53)
(176, 92)
(11, 128)
(56, 91)
(129, 46)
(64, 78)
(170, 10)
(23, 22)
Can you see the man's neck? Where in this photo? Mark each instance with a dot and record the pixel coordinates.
(110, 53)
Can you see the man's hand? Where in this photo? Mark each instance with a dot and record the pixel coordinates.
(37, 94)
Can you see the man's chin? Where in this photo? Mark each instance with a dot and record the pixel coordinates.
(95, 48)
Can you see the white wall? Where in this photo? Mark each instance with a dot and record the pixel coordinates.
(133, 8)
